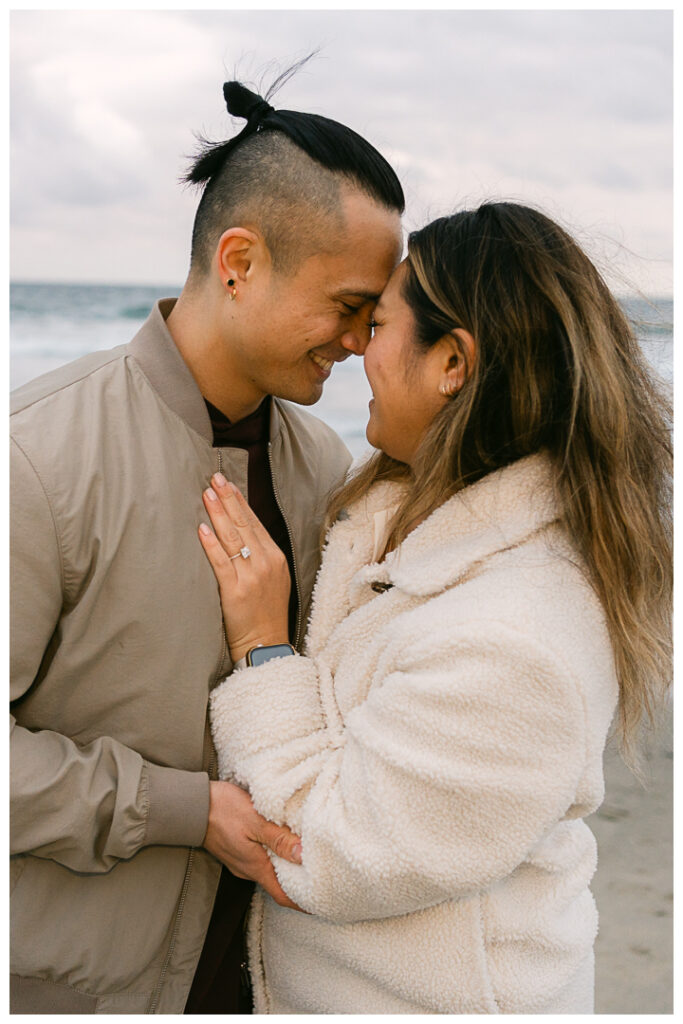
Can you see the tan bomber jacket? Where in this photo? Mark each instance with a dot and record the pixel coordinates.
(116, 642)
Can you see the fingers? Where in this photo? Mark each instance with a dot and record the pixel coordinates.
(236, 525)
(219, 558)
(237, 508)
(225, 492)
(280, 840)
(269, 882)
(234, 836)
(231, 537)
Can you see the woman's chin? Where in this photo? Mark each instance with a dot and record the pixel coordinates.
(371, 433)
(375, 441)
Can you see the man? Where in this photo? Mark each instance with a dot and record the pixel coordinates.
(119, 827)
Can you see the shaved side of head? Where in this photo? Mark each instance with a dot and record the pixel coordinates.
(272, 185)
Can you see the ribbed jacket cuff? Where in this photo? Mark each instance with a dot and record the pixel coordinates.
(178, 807)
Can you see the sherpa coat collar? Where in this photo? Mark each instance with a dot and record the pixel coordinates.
(498, 512)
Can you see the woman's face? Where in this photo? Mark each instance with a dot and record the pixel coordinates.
(405, 380)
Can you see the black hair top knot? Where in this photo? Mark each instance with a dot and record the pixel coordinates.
(242, 102)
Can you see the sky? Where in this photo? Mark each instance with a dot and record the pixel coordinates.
(569, 111)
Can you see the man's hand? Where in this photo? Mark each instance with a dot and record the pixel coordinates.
(237, 833)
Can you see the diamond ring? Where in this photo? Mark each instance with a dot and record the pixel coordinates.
(242, 553)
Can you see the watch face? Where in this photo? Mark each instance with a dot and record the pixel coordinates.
(259, 655)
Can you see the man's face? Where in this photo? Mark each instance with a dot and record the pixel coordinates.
(305, 322)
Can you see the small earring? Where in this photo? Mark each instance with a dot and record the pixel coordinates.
(230, 284)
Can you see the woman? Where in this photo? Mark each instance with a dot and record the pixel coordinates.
(495, 582)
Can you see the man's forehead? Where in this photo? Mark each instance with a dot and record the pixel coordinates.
(362, 274)
(371, 226)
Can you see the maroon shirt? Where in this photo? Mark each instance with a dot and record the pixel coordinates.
(217, 987)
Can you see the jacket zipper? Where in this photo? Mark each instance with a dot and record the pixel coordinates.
(154, 1002)
(188, 871)
(291, 544)
(224, 648)
(212, 773)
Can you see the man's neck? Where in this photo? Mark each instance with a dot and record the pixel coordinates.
(208, 359)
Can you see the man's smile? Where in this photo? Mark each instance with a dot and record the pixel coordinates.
(325, 364)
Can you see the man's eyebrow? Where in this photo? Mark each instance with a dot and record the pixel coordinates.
(358, 293)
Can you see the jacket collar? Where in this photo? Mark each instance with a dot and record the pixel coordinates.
(500, 511)
(157, 354)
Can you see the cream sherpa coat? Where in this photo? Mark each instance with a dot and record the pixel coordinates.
(436, 749)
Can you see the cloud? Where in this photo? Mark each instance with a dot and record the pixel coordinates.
(567, 107)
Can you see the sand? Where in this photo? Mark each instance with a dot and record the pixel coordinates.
(633, 885)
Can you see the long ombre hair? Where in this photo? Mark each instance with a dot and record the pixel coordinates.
(557, 368)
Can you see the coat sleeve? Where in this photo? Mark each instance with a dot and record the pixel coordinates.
(88, 806)
(434, 787)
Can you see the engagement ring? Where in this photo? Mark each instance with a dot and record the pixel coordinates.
(242, 553)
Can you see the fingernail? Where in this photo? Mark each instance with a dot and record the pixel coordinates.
(203, 528)
(296, 853)
(219, 480)
(211, 494)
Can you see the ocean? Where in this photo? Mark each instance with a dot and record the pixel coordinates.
(53, 324)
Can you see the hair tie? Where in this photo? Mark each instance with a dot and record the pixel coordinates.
(242, 102)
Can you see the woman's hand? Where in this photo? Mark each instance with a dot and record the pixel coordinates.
(254, 590)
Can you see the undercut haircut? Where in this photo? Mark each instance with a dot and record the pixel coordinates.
(271, 184)
(284, 175)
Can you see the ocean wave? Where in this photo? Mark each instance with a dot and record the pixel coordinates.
(135, 312)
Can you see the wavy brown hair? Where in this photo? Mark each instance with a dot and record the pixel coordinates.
(557, 368)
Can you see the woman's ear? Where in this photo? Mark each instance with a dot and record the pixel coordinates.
(461, 352)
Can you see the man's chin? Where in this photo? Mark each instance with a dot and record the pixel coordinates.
(300, 396)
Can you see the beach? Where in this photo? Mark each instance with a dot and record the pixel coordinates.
(633, 886)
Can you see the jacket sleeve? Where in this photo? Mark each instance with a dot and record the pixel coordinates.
(88, 806)
(436, 786)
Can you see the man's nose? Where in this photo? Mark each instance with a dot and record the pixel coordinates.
(356, 341)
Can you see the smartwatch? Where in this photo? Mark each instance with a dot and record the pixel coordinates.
(262, 653)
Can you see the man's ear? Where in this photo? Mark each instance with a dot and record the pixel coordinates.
(237, 251)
